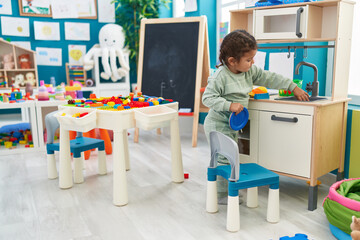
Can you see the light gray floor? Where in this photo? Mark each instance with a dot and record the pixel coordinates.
(33, 207)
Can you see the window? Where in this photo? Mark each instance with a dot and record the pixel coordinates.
(223, 18)
(178, 8)
(354, 74)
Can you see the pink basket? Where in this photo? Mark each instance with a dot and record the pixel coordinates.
(346, 202)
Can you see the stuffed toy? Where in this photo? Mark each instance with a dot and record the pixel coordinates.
(8, 61)
(24, 61)
(355, 228)
(19, 81)
(30, 78)
(111, 39)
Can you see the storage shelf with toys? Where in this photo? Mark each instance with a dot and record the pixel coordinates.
(17, 66)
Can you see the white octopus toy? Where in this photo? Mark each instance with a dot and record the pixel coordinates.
(111, 39)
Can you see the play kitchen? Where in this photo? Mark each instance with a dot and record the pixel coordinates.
(302, 140)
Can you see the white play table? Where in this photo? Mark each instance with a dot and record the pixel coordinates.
(119, 121)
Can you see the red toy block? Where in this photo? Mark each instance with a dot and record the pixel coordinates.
(186, 175)
(83, 114)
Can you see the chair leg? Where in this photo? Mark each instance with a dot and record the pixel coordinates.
(252, 197)
(102, 163)
(211, 197)
(233, 214)
(78, 170)
(51, 166)
(83, 160)
(273, 210)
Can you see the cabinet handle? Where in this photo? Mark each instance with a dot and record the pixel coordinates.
(298, 13)
(284, 119)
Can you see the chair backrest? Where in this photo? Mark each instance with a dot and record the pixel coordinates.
(224, 145)
(52, 124)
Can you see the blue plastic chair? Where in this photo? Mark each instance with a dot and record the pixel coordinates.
(240, 176)
(77, 146)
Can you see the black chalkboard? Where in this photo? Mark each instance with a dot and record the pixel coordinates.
(169, 63)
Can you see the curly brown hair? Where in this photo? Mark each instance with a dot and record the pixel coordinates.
(235, 45)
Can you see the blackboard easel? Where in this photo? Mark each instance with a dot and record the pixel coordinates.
(174, 62)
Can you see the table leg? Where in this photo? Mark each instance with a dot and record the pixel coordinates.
(126, 150)
(65, 171)
(136, 135)
(120, 195)
(177, 171)
(34, 132)
(40, 127)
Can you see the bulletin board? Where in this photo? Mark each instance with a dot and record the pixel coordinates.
(83, 9)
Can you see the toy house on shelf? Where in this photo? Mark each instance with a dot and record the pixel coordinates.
(17, 66)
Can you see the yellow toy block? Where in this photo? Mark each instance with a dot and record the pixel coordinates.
(8, 144)
(111, 104)
(155, 102)
(141, 99)
(126, 101)
(31, 145)
(22, 142)
(73, 88)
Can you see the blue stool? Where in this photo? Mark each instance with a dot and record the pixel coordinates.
(240, 176)
(77, 146)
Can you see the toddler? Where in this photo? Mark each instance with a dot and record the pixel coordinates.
(228, 88)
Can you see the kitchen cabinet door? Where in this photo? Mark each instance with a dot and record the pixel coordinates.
(285, 142)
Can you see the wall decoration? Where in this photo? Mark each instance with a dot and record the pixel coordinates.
(5, 7)
(190, 6)
(13, 26)
(63, 9)
(49, 56)
(47, 30)
(106, 11)
(76, 54)
(77, 31)
(35, 8)
(86, 8)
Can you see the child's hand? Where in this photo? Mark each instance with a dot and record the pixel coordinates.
(300, 94)
(236, 108)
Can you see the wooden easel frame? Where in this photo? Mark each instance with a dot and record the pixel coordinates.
(202, 68)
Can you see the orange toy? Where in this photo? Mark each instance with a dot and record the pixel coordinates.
(104, 135)
(258, 90)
